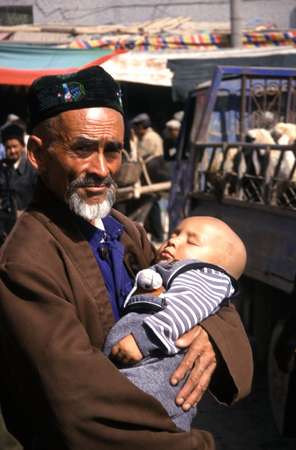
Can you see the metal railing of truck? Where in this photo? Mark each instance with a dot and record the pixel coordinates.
(252, 173)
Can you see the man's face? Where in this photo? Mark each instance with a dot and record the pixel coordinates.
(173, 132)
(14, 149)
(140, 131)
(84, 155)
(194, 238)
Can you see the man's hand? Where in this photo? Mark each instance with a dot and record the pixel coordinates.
(126, 350)
(200, 361)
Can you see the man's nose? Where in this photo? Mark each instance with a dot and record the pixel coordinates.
(98, 165)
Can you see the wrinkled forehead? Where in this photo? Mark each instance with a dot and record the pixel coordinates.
(90, 122)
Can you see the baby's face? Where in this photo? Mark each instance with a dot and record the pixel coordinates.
(192, 239)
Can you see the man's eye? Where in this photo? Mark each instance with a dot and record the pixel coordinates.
(82, 152)
(81, 147)
(113, 147)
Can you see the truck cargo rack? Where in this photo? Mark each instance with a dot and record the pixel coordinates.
(252, 173)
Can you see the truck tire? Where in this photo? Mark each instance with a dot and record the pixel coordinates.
(282, 383)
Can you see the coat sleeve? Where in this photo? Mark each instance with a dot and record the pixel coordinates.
(91, 405)
(191, 298)
(233, 377)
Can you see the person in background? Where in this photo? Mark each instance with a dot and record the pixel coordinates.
(149, 147)
(17, 177)
(10, 119)
(65, 270)
(148, 142)
(170, 138)
(13, 119)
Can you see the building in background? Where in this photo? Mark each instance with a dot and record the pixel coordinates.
(164, 54)
(93, 12)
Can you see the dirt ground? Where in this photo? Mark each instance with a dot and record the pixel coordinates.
(248, 425)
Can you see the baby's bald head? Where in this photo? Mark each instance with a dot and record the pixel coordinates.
(207, 239)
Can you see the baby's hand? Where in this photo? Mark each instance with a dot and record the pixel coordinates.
(126, 350)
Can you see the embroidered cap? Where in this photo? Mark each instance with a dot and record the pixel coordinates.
(87, 88)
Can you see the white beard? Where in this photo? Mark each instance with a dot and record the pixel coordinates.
(91, 212)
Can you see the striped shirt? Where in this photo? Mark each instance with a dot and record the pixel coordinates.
(194, 291)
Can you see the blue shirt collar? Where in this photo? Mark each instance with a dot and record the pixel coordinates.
(113, 230)
(117, 280)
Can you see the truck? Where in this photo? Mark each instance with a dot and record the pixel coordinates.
(219, 172)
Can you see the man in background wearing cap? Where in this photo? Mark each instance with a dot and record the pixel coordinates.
(170, 137)
(149, 147)
(17, 178)
(65, 270)
(148, 142)
(10, 119)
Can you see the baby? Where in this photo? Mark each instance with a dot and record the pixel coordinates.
(195, 273)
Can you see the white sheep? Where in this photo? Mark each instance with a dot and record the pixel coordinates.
(260, 136)
(223, 161)
(287, 130)
(285, 134)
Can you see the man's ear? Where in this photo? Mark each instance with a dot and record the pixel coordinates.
(35, 152)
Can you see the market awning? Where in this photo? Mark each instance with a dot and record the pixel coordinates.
(191, 70)
(22, 64)
(141, 67)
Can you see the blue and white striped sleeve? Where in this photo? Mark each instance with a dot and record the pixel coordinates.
(192, 297)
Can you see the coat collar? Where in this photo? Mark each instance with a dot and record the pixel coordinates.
(22, 163)
(63, 225)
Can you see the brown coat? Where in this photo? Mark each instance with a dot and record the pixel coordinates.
(58, 391)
